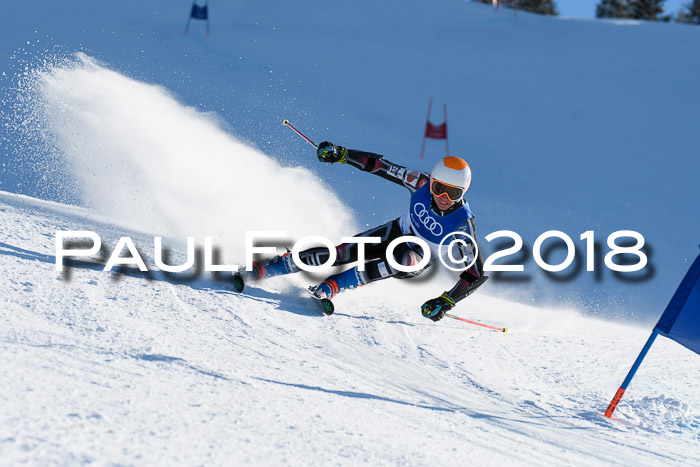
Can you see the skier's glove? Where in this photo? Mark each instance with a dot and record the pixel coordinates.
(435, 309)
(328, 152)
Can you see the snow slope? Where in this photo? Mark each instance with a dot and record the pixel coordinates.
(108, 106)
(131, 371)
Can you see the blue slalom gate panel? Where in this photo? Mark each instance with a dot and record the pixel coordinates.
(681, 319)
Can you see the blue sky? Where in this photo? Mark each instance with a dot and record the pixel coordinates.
(586, 8)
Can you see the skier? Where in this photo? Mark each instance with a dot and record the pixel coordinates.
(437, 208)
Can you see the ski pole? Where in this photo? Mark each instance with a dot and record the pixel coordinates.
(286, 122)
(478, 324)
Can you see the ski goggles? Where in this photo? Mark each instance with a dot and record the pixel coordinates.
(438, 189)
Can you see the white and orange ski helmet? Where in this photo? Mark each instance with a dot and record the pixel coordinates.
(450, 171)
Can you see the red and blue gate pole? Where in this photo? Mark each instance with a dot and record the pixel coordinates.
(630, 375)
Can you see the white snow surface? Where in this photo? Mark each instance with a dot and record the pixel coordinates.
(126, 370)
(109, 106)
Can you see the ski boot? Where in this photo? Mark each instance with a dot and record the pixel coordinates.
(277, 266)
(336, 283)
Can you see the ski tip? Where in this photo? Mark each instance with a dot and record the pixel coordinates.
(328, 307)
(238, 283)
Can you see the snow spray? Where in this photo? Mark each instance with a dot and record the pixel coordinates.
(146, 160)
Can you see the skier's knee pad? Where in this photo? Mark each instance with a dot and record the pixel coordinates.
(313, 257)
(378, 269)
(409, 258)
(381, 269)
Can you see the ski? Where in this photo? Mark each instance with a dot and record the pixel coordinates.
(326, 305)
(238, 283)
